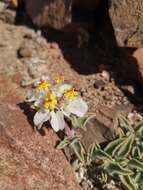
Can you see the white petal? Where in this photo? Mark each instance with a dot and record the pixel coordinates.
(31, 97)
(40, 117)
(59, 90)
(39, 99)
(77, 107)
(60, 117)
(63, 87)
(38, 103)
(58, 94)
(66, 112)
(57, 121)
(41, 94)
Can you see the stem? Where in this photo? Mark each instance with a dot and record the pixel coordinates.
(69, 132)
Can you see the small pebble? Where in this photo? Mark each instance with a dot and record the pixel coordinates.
(105, 75)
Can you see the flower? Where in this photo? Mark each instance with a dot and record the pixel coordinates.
(55, 103)
(70, 93)
(36, 97)
(56, 119)
(48, 113)
(38, 94)
(77, 107)
(59, 79)
(43, 85)
(50, 101)
(60, 89)
(74, 104)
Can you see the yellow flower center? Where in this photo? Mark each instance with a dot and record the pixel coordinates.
(70, 93)
(50, 101)
(43, 85)
(59, 79)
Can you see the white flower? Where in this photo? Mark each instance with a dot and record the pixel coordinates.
(36, 97)
(77, 107)
(74, 104)
(56, 119)
(60, 89)
(55, 103)
(40, 117)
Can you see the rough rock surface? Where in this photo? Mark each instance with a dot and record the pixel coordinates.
(25, 54)
(52, 13)
(28, 160)
(61, 14)
(138, 55)
(127, 19)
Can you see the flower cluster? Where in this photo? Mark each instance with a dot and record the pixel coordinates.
(55, 102)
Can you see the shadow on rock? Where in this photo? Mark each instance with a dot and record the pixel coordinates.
(28, 112)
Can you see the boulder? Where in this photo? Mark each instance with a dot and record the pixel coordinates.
(28, 160)
(59, 14)
(127, 20)
(52, 13)
(138, 55)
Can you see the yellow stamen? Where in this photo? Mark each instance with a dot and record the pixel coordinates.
(70, 93)
(43, 85)
(59, 79)
(50, 101)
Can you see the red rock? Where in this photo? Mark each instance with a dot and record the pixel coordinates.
(28, 160)
(10, 92)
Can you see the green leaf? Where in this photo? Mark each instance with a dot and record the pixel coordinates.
(100, 154)
(139, 180)
(111, 147)
(79, 122)
(128, 183)
(120, 132)
(114, 168)
(126, 147)
(104, 177)
(126, 125)
(122, 161)
(116, 149)
(95, 152)
(136, 164)
(139, 127)
(78, 150)
(90, 152)
(75, 164)
(141, 146)
(136, 152)
(63, 144)
(139, 130)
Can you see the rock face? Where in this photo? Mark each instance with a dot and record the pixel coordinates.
(53, 13)
(138, 55)
(58, 13)
(28, 160)
(127, 19)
